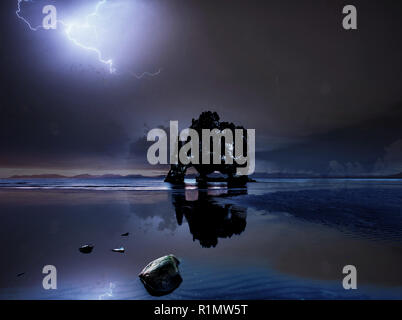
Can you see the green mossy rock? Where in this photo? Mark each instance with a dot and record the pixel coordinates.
(161, 276)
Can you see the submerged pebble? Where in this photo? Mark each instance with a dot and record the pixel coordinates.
(120, 250)
(86, 248)
(161, 276)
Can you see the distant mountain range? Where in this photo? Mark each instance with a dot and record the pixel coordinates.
(81, 176)
(192, 176)
(322, 176)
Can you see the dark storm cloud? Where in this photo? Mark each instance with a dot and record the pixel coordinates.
(372, 146)
(28, 129)
(139, 147)
(285, 68)
(44, 123)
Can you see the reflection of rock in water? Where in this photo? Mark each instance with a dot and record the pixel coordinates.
(158, 212)
(207, 219)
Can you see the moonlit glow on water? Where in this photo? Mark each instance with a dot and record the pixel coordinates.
(108, 293)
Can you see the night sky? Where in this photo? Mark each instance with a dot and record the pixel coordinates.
(322, 99)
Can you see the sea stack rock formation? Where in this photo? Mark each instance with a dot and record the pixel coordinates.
(210, 120)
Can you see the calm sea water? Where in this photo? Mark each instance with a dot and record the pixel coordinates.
(275, 239)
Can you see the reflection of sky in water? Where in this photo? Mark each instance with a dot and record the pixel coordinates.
(285, 250)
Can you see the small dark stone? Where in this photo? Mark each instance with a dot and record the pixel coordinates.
(86, 248)
(161, 276)
(125, 234)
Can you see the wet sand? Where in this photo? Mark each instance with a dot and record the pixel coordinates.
(274, 240)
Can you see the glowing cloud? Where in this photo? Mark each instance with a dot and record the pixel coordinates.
(72, 28)
(87, 25)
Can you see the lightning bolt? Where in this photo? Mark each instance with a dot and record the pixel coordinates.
(68, 29)
(144, 74)
(22, 18)
(87, 25)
